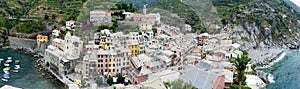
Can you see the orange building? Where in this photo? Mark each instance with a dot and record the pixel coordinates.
(41, 38)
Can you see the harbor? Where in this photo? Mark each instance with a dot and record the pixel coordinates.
(28, 77)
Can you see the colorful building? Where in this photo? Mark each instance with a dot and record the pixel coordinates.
(41, 38)
(134, 48)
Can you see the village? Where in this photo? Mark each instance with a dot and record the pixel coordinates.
(153, 57)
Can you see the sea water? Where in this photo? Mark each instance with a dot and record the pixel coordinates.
(286, 72)
(28, 77)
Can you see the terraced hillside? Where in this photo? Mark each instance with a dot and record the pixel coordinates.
(18, 16)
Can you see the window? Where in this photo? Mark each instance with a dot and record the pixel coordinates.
(109, 65)
(101, 65)
(113, 65)
(98, 65)
(105, 65)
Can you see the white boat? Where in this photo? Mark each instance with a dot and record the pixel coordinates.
(271, 78)
(16, 71)
(6, 76)
(6, 70)
(17, 67)
(9, 58)
(6, 64)
(4, 80)
(1, 59)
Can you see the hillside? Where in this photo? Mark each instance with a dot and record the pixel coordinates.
(263, 22)
(19, 15)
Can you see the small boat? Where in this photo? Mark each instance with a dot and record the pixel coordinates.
(6, 70)
(4, 79)
(17, 62)
(271, 78)
(9, 58)
(6, 64)
(16, 71)
(17, 67)
(1, 59)
(6, 76)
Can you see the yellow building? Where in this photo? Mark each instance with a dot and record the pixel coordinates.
(134, 48)
(41, 38)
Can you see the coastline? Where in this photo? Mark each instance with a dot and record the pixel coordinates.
(23, 50)
(280, 56)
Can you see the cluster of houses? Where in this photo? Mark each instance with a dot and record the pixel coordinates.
(146, 58)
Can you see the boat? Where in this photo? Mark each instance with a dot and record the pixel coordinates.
(7, 63)
(17, 62)
(1, 59)
(9, 58)
(16, 71)
(6, 70)
(271, 78)
(6, 76)
(17, 67)
(4, 79)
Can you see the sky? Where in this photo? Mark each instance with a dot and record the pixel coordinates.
(297, 2)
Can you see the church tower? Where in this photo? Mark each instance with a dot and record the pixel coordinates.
(145, 9)
(68, 44)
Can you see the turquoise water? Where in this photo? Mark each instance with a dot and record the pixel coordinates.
(28, 77)
(286, 72)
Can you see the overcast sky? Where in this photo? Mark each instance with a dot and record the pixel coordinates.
(297, 2)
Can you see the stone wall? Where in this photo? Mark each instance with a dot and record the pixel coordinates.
(22, 42)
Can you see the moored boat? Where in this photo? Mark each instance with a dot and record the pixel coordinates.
(6, 76)
(6, 70)
(1, 59)
(4, 79)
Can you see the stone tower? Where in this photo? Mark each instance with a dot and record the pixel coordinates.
(145, 9)
(68, 44)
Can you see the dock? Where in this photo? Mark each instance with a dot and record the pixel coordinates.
(66, 81)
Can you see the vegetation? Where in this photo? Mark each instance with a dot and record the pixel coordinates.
(30, 27)
(120, 79)
(276, 15)
(240, 64)
(178, 84)
(184, 11)
(110, 81)
(99, 81)
(20, 14)
(124, 6)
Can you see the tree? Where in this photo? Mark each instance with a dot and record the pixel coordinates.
(102, 27)
(110, 81)
(46, 17)
(53, 16)
(240, 64)
(253, 66)
(179, 84)
(99, 81)
(120, 79)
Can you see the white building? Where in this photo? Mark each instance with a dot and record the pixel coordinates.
(98, 18)
(62, 54)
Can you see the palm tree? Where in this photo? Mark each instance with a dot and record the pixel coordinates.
(240, 65)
